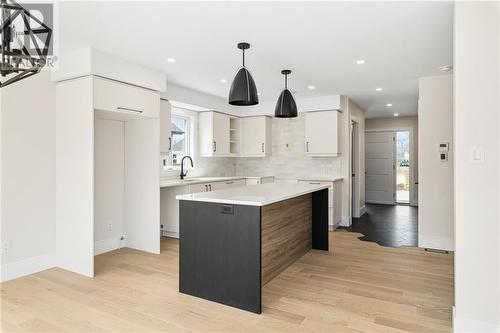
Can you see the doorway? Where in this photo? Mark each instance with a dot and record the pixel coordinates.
(403, 167)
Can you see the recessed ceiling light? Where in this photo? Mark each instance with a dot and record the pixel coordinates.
(378, 89)
(223, 80)
(172, 60)
(388, 105)
(446, 68)
(311, 87)
(360, 62)
(396, 114)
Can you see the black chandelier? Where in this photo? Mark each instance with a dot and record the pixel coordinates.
(243, 91)
(286, 107)
(21, 53)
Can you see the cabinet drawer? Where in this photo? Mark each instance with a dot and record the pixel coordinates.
(235, 183)
(197, 188)
(115, 96)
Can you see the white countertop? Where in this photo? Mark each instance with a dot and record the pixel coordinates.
(197, 180)
(167, 182)
(257, 195)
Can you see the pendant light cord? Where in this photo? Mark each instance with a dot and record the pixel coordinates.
(243, 57)
(286, 81)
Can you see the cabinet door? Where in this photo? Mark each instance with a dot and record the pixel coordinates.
(220, 128)
(256, 136)
(165, 127)
(120, 97)
(321, 133)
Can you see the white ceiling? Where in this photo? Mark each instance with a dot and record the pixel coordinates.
(319, 41)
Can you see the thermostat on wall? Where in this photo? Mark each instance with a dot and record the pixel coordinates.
(444, 147)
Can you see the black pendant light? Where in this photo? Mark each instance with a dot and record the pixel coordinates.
(243, 91)
(286, 107)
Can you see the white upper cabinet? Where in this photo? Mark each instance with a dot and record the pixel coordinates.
(256, 136)
(322, 133)
(114, 96)
(165, 127)
(214, 134)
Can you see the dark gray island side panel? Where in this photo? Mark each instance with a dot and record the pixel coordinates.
(220, 253)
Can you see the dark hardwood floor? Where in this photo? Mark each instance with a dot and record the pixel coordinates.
(392, 226)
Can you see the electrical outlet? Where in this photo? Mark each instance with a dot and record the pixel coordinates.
(110, 227)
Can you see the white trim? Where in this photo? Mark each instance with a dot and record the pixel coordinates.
(17, 269)
(344, 222)
(435, 242)
(170, 234)
(362, 211)
(109, 244)
(391, 203)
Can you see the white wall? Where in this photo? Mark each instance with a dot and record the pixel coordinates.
(477, 195)
(402, 123)
(109, 183)
(358, 115)
(28, 175)
(435, 123)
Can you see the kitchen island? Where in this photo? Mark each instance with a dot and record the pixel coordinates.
(234, 241)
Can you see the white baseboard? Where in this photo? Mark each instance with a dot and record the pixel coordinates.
(17, 269)
(362, 211)
(435, 242)
(170, 234)
(108, 244)
(345, 222)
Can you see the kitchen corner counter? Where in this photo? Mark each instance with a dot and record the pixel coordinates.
(259, 195)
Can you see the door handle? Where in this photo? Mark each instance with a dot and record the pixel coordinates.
(307, 146)
(210, 187)
(229, 183)
(128, 109)
(169, 144)
(262, 147)
(206, 188)
(215, 146)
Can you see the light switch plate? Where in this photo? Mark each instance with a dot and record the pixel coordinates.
(477, 155)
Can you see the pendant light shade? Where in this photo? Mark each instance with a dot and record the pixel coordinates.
(286, 107)
(243, 90)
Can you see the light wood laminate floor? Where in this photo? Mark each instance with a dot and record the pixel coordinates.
(356, 287)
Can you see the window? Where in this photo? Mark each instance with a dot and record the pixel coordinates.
(180, 138)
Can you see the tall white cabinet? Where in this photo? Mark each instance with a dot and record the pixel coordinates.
(86, 199)
(322, 133)
(165, 127)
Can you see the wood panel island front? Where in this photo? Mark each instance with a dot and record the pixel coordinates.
(234, 241)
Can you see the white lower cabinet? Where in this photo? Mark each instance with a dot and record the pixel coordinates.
(169, 210)
(334, 200)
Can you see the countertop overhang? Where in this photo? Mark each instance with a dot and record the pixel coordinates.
(257, 195)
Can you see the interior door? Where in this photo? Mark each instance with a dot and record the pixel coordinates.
(380, 167)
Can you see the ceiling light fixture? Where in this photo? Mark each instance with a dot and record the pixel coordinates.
(223, 80)
(396, 114)
(286, 106)
(24, 52)
(311, 87)
(360, 62)
(243, 90)
(378, 89)
(171, 60)
(388, 105)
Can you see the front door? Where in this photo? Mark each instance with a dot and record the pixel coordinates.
(380, 167)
